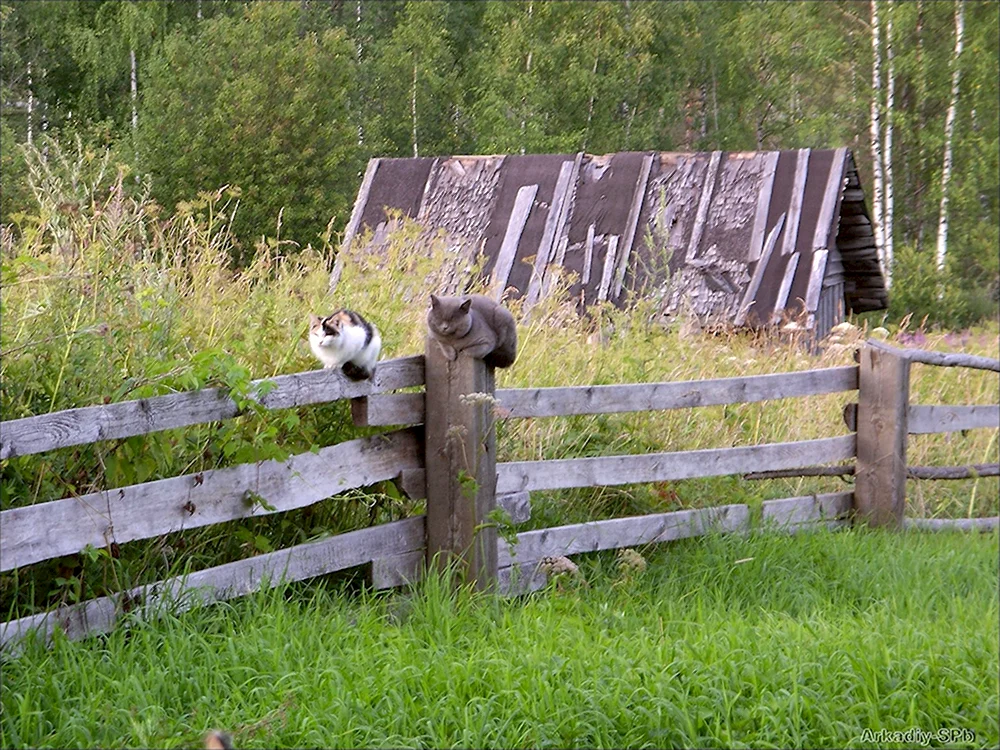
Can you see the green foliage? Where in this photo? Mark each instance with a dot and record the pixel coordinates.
(944, 300)
(14, 193)
(763, 641)
(286, 100)
(412, 99)
(248, 102)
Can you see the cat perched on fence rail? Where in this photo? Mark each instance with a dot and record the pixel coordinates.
(473, 325)
(345, 340)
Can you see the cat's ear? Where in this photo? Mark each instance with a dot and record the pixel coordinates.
(313, 320)
(434, 301)
(464, 307)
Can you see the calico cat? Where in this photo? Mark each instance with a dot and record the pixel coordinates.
(346, 340)
(474, 325)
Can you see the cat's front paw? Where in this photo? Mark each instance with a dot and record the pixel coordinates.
(449, 352)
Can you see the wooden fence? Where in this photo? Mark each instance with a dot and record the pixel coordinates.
(444, 449)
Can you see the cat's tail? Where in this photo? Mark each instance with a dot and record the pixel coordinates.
(357, 372)
(216, 740)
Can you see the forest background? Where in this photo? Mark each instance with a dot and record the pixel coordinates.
(286, 102)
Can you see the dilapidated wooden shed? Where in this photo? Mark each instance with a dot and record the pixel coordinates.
(750, 238)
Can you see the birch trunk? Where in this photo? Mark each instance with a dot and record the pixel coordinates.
(524, 100)
(878, 220)
(31, 105)
(949, 133)
(890, 97)
(413, 109)
(135, 93)
(357, 59)
(917, 194)
(590, 104)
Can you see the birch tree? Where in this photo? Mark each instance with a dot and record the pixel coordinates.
(878, 187)
(890, 103)
(414, 85)
(949, 133)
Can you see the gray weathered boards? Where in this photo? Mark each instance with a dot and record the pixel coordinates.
(745, 237)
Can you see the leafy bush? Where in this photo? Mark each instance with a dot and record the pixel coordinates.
(248, 103)
(945, 300)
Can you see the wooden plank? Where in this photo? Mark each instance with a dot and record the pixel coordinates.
(398, 570)
(953, 472)
(763, 206)
(930, 419)
(851, 221)
(751, 292)
(516, 504)
(431, 179)
(460, 463)
(588, 255)
(794, 512)
(638, 196)
(657, 467)
(563, 246)
(831, 196)
(388, 409)
(514, 580)
(704, 202)
(609, 399)
(940, 359)
(844, 470)
(883, 398)
(553, 223)
(609, 265)
(795, 206)
(523, 204)
(413, 483)
(991, 523)
(408, 408)
(617, 533)
(863, 241)
(21, 437)
(223, 582)
(781, 302)
(46, 530)
(816, 274)
(354, 222)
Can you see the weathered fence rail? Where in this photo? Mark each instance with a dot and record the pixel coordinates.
(22, 437)
(408, 408)
(40, 532)
(447, 454)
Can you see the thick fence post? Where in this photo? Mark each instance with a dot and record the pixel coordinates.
(883, 401)
(460, 455)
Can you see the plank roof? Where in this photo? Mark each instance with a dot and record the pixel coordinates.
(746, 237)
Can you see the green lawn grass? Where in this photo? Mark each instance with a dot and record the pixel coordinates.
(723, 641)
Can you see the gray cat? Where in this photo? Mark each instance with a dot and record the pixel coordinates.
(474, 325)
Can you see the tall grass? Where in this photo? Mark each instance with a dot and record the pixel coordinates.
(760, 641)
(105, 300)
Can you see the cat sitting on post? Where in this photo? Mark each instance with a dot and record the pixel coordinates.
(345, 340)
(473, 325)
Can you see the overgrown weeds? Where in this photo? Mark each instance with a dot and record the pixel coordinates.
(104, 300)
(718, 641)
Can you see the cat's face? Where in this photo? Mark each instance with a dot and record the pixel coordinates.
(327, 330)
(449, 316)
